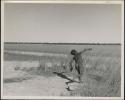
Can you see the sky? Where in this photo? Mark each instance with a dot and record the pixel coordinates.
(62, 23)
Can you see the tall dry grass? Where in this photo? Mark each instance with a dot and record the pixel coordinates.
(102, 77)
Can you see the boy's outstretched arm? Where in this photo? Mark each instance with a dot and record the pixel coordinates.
(87, 49)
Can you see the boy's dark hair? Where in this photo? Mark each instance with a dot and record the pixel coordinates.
(73, 52)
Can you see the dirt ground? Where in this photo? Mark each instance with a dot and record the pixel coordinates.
(20, 83)
(37, 86)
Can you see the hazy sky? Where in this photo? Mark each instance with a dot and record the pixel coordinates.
(79, 23)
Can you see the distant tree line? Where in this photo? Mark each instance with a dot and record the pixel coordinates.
(63, 43)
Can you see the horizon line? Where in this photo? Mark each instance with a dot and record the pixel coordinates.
(61, 43)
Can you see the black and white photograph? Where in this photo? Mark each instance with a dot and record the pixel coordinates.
(62, 50)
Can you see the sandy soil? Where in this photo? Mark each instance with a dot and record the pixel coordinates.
(37, 86)
(20, 83)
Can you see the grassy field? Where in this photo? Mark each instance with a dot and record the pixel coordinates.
(103, 67)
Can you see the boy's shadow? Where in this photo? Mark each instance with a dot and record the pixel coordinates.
(65, 77)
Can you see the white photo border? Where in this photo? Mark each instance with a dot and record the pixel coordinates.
(121, 2)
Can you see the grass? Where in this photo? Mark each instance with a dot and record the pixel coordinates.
(103, 69)
(102, 78)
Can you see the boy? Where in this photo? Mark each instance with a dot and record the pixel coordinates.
(79, 62)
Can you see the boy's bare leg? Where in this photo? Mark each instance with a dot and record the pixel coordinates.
(80, 78)
(80, 74)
